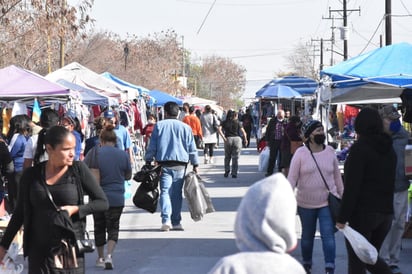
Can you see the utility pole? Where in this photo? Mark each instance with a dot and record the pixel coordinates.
(321, 41)
(388, 22)
(344, 29)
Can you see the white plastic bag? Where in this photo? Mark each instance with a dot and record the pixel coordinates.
(9, 266)
(264, 159)
(365, 251)
(198, 199)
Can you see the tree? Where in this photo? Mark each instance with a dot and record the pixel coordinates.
(32, 31)
(155, 61)
(222, 80)
(301, 63)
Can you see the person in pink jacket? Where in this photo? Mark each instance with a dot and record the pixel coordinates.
(312, 194)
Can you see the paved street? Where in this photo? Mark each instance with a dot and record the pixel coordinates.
(144, 249)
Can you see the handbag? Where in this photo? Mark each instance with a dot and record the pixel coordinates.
(92, 162)
(215, 125)
(64, 255)
(85, 245)
(333, 201)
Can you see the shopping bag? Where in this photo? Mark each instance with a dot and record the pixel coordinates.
(365, 251)
(198, 199)
(9, 266)
(128, 189)
(264, 159)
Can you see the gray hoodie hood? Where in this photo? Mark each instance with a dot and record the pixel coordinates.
(265, 219)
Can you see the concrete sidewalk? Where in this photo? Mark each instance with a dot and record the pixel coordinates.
(143, 248)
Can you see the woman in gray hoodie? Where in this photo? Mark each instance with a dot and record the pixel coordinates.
(265, 231)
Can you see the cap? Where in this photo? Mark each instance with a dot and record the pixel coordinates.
(390, 112)
(108, 114)
(310, 126)
(71, 113)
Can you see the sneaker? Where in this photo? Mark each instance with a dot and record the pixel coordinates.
(226, 174)
(234, 176)
(108, 262)
(165, 227)
(211, 161)
(206, 161)
(100, 262)
(329, 270)
(395, 269)
(178, 227)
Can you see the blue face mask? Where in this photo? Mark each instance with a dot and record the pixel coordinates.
(395, 126)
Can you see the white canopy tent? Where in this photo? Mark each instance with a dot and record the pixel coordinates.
(80, 75)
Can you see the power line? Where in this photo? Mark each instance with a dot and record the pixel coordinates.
(204, 20)
(373, 35)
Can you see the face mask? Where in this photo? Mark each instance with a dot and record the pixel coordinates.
(395, 126)
(319, 138)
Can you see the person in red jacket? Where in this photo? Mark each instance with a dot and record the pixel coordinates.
(148, 129)
(194, 122)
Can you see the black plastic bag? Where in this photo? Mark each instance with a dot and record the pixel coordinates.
(146, 198)
(149, 176)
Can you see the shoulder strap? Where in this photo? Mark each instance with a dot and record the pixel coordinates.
(43, 182)
(76, 172)
(321, 174)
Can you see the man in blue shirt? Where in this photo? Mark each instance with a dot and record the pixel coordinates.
(172, 146)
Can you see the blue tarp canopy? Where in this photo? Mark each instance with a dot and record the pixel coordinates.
(303, 85)
(89, 97)
(272, 90)
(383, 72)
(140, 89)
(163, 97)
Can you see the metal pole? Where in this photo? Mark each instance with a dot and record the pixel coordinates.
(388, 22)
(345, 24)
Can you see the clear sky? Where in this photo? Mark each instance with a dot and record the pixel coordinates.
(257, 34)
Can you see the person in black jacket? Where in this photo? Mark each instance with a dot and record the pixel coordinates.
(63, 177)
(274, 135)
(369, 180)
(6, 165)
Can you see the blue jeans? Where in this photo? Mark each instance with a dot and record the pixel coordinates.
(171, 184)
(308, 218)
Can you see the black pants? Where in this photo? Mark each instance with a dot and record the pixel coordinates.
(209, 148)
(274, 152)
(107, 222)
(374, 227)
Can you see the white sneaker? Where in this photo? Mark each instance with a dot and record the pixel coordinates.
(211, 161)
(100, 262)
(165, 227)
(206, 161)
(108, 262)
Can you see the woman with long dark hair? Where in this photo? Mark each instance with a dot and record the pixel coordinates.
(367, 202)
(17, 138)
(66, 180)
